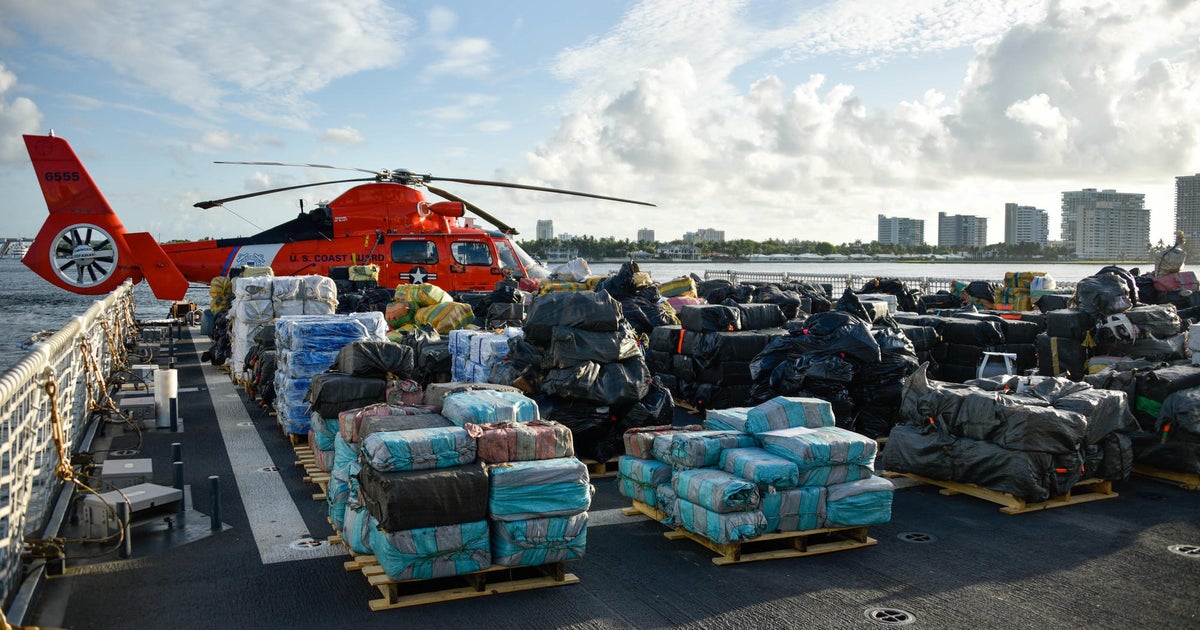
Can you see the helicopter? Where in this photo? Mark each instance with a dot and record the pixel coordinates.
(383, 220)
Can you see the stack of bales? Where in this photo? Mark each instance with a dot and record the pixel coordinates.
(641, 301)
(373, 364)
(579, 353)
(457, 499)
(252, 309)
(708, 357)
(427, 306)
(220, 289)
(1031, 437)
(480, 356)
(1174, 443)
(779, 467)
(1016, 294)
(306, 345)
(964, 335)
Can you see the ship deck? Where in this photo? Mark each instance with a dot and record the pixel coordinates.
(1100, 564)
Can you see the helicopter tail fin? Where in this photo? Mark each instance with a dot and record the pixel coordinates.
(83, 247)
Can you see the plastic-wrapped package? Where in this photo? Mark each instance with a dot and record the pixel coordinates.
(318, 332)
(783, 412)
(794, 510)
(350, 421)
(419, 449)
(698, 449)
(433, 552)
(482, 406)
(731, 419)
(824, 446)
(718, 527)
(538, 541)
(639, 441)
(716, 490)
(378, 359)
(668, 504)
(254, 288)
(521, 441)
(571, 346)
(585, 309)
(356, 530)
(415, 499)
(863, 502)
(639, 478)
(537, 489)
(331, 393)
(374, 323)
(756, 465)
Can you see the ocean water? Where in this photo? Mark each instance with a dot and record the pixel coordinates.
(29, 304)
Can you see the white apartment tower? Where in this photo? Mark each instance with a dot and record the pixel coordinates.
(1025, 224)
(545, 229)
(960, 230)
(1106, 224)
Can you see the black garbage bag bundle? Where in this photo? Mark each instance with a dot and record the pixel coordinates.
(431, 355)
(816, 294)
(1102, 295)
(717, 291)
(656, 408)
(790, 302)
(594, 427)
(870, 312)
(589, 310)
(379, 359)
(836, 332)
(908, 299)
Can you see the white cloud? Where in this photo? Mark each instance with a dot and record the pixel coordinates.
(441, 20)
(18, 115)
(466, 106)
(257, 58)
(1081, 91)
(463, 57)
(494, 126)
(345, 136)
(220, 139)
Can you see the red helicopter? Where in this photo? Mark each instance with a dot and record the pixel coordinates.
(83, 247)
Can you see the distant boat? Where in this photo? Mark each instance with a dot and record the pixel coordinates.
(17, 250)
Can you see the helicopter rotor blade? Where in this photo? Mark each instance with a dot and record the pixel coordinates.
(216, 202)
(484, 182)
(500, 225)
(340, 168)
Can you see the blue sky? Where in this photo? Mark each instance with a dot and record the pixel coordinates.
(776, 119)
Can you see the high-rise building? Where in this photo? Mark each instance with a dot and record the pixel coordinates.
(545, 229)
(1025, 224)
(705, 235)
(901, 231)
(960, 230)
(1187, 211)
(645, 235)
(1106, 224)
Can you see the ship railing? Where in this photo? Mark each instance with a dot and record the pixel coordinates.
(33, 499)
(841, 281)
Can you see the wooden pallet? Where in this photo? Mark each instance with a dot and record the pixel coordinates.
(491, 581)
(1187, 481)
(600, 470)
(767, 546)
(1084, 491)
(312, 473)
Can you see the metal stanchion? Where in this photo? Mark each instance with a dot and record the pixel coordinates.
(179, 485)
(174, 406)
(176, 452)
(125, 516)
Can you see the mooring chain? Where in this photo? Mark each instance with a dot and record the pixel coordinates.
(92, 370)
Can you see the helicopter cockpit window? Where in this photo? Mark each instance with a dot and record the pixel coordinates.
(415, 252)
(508, 259)
(471, 253)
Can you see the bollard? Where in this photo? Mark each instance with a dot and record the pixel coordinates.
(179, 485)
(176, 452)
(174, 407)
(124, 516)
(215, 500)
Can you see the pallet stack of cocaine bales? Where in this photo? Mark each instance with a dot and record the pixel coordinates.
(964, 335)
(360, 373)
(483, 485)
(777, 471)
(307, 345)
(1024, 442)
(252, 309)
(583, 363)
(707, 358)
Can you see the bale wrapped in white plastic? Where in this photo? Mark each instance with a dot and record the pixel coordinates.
(483, 406)
(255, 288)
(319, 290)
(374, 322)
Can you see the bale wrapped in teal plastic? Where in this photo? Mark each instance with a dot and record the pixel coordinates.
(718, 527)
(639, 478)
(824, 446)
(786, 412)
(356, 530)
(337, 493)
(758, 466)
(863, 502)
(324, 430)
(537, 489)
(731, 419)
(795, 510)
(716, 490)
(539, 541)
(433, 552)
(829, 475)
(639, 441)
(668, 504)
(482, 406)
(419, 449)
(698, 449)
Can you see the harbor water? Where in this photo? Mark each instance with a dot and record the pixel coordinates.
(29, 304)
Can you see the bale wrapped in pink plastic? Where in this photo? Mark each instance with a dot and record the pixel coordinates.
(521, 441)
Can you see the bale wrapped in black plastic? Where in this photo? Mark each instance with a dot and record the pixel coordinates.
(1102, 295)
(941, 299)
(717, 291)
(1028, 475)
(594, 427)
(1111, 459)
(1053, 302)
(666, 338)
(743, 345)
(618, 384)
(756, 316)
(1172, 455)
(835, 332)
(377, 359)
(1143, 346)
(264, 375)
(658, 362)
(1179, 418)
(1069, 323)
(869, 311)
(1021, 331)
(790, 303)
(958, 354)
(589, 310)
(431, 355)
(425, 498)
(644, 313)
(907, 298)
(710, 317)
(1027, 357)
(918, 449)
(1061, 356)
(923, 338)
(333, 392)
(1158, 320)
(656, 408)
(1018, 423)
(972, 332)
(711, 396)
(725, 373)
(571, 346)
(1158, 383)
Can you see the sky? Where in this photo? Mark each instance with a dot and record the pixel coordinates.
(766, 119)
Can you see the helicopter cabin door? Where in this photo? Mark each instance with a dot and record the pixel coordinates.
(476, 261)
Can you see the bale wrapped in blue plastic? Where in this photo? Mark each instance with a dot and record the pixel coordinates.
(731, 419)
(786, 412)
(324, 430)
(716, 490)
(318, 333)
(863, 502)
(824, 446)
(419, 449)
(720, 528)
(829, 475)
(337, 493)
(795, 510)
(668, 504)
(698, 449)
(760, 467)
(639, 478)
(482, 406)
(538, 489)
(305, 363)
(356, 530)
(433, 552)
(538, 541)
